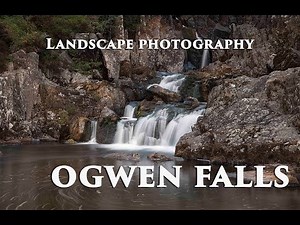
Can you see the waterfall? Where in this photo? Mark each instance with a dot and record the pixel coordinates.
(205, 54)
(171, 82)
(125, 125)
(163, 127)
(205, 58)
(93, 138)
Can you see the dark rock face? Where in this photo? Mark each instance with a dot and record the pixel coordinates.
(107, 126)
(249, 120)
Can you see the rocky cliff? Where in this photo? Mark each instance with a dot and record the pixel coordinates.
(252, 97)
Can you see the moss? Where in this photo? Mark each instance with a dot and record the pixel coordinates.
(63, 117)
(71, 109)
(131, 24)
(62, 27)
(49, 61)
(20, 33)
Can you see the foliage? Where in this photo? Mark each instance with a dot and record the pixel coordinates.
(29, 33)
(131, 24)
(20, 33)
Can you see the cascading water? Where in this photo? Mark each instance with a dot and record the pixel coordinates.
(125, 125)
(93, 138)
(171, 82)
(205, 55)
(164, 126)
(205, 58)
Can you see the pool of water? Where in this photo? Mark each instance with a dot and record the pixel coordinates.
(25, 183)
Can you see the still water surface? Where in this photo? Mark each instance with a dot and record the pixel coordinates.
(25, 183)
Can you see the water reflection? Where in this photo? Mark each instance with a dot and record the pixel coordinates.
(25, 183)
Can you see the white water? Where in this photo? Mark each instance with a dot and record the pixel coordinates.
(205, 58)
(171, 82)
(125, 125)
(93, 138)
(155, 130)
(205, 55)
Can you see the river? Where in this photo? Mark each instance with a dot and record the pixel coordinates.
(25, 183)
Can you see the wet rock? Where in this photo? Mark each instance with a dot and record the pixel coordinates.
(164, 94)
(158, 157)
(205, 79)
(124, 156)
(249, 120)
(70, 141)
(48, 139)
(146, 107)
(78, 129)
(108, 115)
(191, 102)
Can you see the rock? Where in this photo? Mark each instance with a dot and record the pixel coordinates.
(48, 139)
(169, 60)
(221, 31)
(65, 59)
(78, 129)
(23, 60)
(158, 157)
(19, 93)
(112, 60)
(78, 78)
(205, 79)
(124, 156)
(125, 69)
(191, 102)
(70, 141)
(249, 120)
(107, 95)
(286, 58)
(146, 107)
(96, 75)
(143, 73)
(166, 95)
(108, 114)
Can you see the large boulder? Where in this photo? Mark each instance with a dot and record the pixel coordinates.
(78, 129)
(249, 120)
(106, 95)
(166, 95)
(19, 92)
